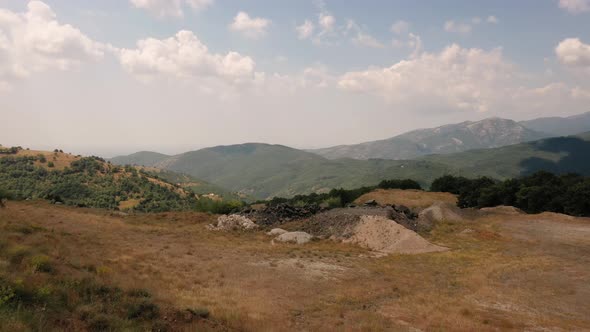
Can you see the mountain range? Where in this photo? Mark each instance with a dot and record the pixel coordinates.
(264, 170)
(465, 136)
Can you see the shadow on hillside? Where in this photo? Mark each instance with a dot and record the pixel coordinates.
(576, 159)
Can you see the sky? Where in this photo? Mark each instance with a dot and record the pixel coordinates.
(117, 76)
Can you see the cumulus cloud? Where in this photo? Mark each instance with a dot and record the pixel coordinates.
(492, 19)
(34, 41)
(170, 8)
(185, 56)
(456, 78)
(575, 6)
(305, 30)
(573, 53)
(327, 22)
(461, 79)
(457, 27)
(251, 27)
(400, 27)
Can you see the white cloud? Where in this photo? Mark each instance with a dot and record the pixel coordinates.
(185, 56)
(574, 53)
(34, 41)
(492, 19)
(327, 22)
(455, 78)
(360, 37)
(248, 26)
(400, 27)
(575, 6)
(170, 8)
(457, 27)
(461, 79)
(305, 30)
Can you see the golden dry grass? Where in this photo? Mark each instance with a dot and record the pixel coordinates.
(409, 198)
(60, 160)
(504, 273)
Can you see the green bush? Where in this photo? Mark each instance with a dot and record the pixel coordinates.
(541, 191)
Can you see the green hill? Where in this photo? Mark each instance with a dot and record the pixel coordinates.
(88, 182)
(264, 170)
(142, 158)
(558, 155)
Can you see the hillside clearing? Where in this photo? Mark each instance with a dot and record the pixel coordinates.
(505, 272)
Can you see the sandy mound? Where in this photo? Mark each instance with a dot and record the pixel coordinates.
(440, 211)
(386, 236)
(502, 209)
(294, 237)
(233, 222)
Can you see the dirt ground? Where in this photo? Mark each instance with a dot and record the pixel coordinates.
(502, 272)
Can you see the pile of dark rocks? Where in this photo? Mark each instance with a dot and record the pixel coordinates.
(280, 213)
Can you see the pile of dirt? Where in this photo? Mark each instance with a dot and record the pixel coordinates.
(233, 222)
(277, 214)
(386, 236)
(339, 223)
(440, 211)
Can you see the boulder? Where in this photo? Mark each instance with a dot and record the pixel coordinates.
(276, 232)
(233, 222)
(294, 237)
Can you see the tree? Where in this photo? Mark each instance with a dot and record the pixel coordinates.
(4, 195)
(449, 183)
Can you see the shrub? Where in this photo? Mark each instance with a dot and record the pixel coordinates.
(50, 164)
(17, 254)
(143, 310)
(41, 263)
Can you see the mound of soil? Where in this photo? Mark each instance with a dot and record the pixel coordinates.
(278, 214)
(386, 236)
(340, 222)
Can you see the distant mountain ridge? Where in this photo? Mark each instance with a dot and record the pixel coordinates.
(560, 126)
(265, 170)
(487, 133)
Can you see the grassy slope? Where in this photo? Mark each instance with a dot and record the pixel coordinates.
(263, 170)
(142, 158)
(87, 181)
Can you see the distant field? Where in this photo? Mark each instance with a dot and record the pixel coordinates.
(503, 272)
(409, 198)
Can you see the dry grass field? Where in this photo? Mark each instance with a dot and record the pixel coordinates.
(503, 272)
(409, 198)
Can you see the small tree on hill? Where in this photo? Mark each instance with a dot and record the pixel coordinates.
(4, 195)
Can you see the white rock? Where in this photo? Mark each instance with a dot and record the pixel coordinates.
(276, 232)
(294, 237)
(234, 222)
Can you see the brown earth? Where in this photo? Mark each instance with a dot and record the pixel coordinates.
(508, 272)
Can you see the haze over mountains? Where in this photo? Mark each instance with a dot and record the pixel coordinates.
(494, 147)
